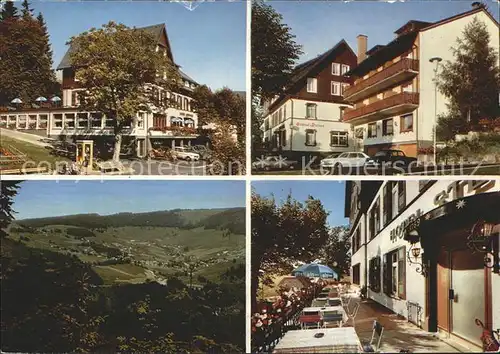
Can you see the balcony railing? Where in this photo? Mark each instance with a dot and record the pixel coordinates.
(402, 70)
(396, 104)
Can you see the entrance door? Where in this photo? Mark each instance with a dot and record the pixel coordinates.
(467, 284)
(460, 294)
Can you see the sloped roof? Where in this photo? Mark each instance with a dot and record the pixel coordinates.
(187, 77)
(405, 41)
(155, 30)
(302, 70)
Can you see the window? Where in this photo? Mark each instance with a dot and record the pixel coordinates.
(407, 123)
(75, 101)
(355, 273)
(109, 122)
(374, 274)
(394, 270)
(96, 120)
(345, 86)
(82, 121)
(336, 69)
(335, 90)
(69, 120)
(58, 120)
(372, 130)
(394, 199)
(356, 240)
(338, 139)
(311, 137)
(388, 127)
(312, 85)
(345, 68)
(283, 137)
(387, 202)
(401, 195)
(186, 103)
(311, 110)
(374, 220)
(140, 120)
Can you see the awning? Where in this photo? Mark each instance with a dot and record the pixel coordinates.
(175, 119)
(191, 120)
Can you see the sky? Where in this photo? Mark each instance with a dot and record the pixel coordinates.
(330, 193)
(55, 198)
(208, 42)
(319, 25)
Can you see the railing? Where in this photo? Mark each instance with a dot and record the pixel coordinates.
(395, 100)
(405, 64)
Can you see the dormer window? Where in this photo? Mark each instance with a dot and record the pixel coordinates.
(336, 69)
(312, 85)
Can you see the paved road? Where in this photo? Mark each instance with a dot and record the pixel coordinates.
(166, 168)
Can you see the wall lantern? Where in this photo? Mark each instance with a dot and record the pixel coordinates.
(416, 252)
(413, 236)
(483, 239)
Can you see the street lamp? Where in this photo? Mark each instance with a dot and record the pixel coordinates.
(435, 60)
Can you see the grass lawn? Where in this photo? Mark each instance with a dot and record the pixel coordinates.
(37, 155)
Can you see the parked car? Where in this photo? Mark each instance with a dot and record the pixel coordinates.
(185, 153)
(345, 159)
(391, 158)
(274, 163)
(203, 151)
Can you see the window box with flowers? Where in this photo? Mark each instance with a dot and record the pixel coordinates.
(176, 131)
(32, 126)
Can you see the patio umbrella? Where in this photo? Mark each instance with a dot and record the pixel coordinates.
(55, 99)
(16, 101)
(41, 99)
(315, 270)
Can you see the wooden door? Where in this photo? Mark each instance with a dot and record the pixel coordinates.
(443, 287)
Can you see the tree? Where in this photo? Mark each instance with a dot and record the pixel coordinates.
(471, 83)
(26, 66)
(283, 234)
(274, 51)
(224, 112)
(27, 13)
(9, 11)
(9, 191)
(336, 252)
(121, 71)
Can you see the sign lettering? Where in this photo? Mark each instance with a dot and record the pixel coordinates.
(411, 222)
(457, 190)
(311, 125)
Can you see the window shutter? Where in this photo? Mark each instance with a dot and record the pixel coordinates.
(386, 274)
(402, 273)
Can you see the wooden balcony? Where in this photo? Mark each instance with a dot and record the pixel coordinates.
(403, 70)
(398, 104)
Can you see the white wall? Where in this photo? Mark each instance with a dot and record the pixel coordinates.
(359, 256)
(436, 42)
(396, 138)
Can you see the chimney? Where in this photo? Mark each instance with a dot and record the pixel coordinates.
(477, 5)
(362, 47)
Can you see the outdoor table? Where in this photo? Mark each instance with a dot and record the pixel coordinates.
(335, 300)
(334, 340)
(316, 309)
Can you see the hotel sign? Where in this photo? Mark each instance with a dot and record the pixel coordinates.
(399, 231)
(310, 125)
(460, 189)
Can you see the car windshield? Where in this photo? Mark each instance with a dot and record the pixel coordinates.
(333, 156)
(380, 153)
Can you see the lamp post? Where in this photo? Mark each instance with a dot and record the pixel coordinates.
(436, 61)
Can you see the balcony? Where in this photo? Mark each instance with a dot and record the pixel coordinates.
(401, 71)
(397, 104)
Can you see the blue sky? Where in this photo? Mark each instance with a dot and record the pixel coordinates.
(208, 42)
(331, 194)
(319, 25)
(54, 198)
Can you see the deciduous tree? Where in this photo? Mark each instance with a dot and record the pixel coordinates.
(284, 234)
(471, 82)
(121, 70)
(336, 252)
(274, 51)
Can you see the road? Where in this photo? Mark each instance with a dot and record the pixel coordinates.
(484, 169)
(166, 168)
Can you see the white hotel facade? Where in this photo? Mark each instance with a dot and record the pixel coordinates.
(412, 247)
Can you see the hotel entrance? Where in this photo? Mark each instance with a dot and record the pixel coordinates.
(461, 294)
(460, 257)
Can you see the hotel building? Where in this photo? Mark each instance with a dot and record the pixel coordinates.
(429, 251)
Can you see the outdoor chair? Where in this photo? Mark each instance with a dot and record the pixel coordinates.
(352, 315)
(378, 330)
(334, 302)
(346, 301)
(318, 302)
(332, 317)
(309, 321)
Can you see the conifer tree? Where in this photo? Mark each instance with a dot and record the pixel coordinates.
(26, 11)
(8, 11)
